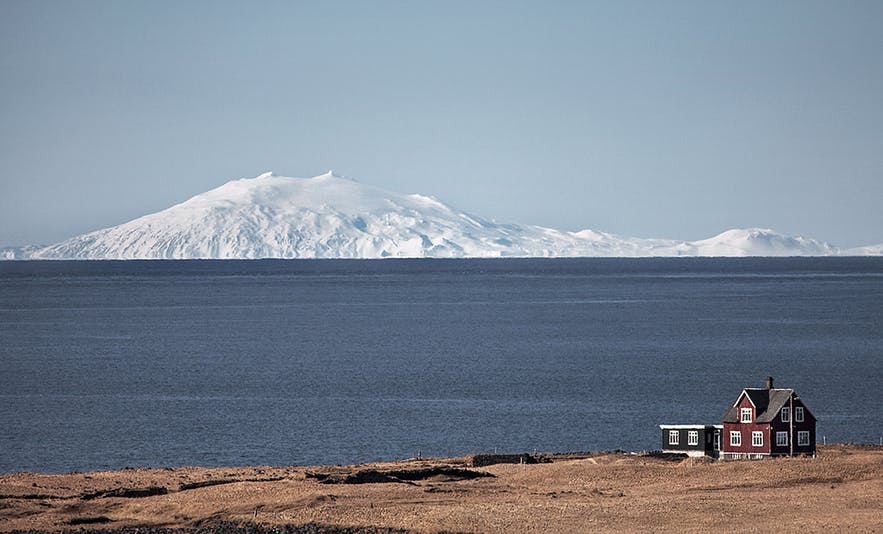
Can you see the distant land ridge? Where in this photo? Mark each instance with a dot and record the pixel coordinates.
(329, 216)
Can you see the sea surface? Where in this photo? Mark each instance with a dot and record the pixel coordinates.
(105, 365)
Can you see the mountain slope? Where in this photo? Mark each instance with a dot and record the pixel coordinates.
(868, 250)
(322, 217)
(333, 217)
(759, 242)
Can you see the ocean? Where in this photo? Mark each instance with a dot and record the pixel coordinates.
(113, 364)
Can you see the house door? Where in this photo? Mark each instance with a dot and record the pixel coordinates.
(717, 440)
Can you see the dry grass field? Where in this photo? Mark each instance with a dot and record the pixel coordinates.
(841, 490)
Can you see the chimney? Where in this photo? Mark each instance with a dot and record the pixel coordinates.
(769, 382)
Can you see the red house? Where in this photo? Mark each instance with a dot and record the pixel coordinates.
(768, 422)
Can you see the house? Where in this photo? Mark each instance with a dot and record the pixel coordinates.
(692, 440)
(768, 422)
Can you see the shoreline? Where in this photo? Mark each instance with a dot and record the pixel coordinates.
(842, 488)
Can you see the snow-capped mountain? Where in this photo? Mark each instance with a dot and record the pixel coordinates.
(329, 216)
(868, 250)
(759, 242)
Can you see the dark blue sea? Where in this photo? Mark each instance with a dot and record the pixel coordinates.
(105, 365)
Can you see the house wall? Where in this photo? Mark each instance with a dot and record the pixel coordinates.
(808, 449)
(746, 429)
(704, 447)
(709, 441)
(778, 426)
(769, 433)
(807, 425)
(683, 434)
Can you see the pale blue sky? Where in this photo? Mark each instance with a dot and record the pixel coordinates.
(654, 119)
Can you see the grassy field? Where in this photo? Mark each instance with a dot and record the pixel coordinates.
(840, 490)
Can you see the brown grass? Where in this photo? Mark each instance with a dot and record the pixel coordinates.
(840, 490)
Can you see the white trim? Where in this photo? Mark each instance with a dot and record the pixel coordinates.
(744, 455)
(692, 437)
(744, 392)
(800, 441)
(686, 427)
(743, 412)
(782, 414)
(674, 437)
(695, 453)
(798, 414)
(755, 442)
(735, 438)
(782, 438)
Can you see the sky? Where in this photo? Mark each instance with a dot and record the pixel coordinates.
(653, 119)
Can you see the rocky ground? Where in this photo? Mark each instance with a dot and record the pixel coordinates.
(840, 490)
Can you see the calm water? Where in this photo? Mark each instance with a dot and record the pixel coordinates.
(114, 364)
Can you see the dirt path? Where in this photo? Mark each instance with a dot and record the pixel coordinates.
(841, 490)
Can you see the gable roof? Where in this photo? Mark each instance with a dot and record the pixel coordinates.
(768, 402)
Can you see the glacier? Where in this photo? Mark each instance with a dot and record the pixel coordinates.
(330, 216)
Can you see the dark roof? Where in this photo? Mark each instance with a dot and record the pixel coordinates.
(768, 402)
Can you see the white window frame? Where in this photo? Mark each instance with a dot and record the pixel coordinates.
(757, 439)
(735, 438)
(745, 415)
(798, 414)
(803, 438)
(781, 439)
(786, 414)
(693, 437)
(674, 437)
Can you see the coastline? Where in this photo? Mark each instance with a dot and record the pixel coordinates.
(605, 491)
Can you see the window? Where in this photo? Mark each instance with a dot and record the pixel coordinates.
(674, 437)
(757, 439)
(781, 439)
(786, 414)
(735, 438)
(745, 415)
(803, 438)
(693, 437)
(798, 414)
